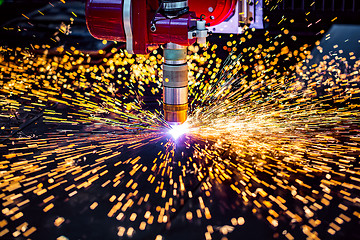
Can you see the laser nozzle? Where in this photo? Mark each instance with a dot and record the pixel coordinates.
(175, 91)
(175, 113)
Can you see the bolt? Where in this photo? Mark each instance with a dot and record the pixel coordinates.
(153, 28)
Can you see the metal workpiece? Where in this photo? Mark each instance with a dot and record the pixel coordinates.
(175, 82)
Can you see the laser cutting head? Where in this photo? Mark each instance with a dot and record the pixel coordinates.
(175, 82)
(143, 24)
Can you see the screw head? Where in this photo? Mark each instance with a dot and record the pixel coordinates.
(153, 28)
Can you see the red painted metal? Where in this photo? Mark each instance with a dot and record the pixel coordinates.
(104, 19)
(173, 30)
(221, 9)
(140, 27)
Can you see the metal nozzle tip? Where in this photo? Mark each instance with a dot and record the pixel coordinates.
(175, 113)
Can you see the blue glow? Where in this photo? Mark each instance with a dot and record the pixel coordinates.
(177, 131)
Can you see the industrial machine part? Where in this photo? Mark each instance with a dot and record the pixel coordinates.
(175, 23)
(175, 78)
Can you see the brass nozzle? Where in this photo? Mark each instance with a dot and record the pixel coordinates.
(175, 113)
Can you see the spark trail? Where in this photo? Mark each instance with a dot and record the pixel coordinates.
(292, 155)
(263, 148)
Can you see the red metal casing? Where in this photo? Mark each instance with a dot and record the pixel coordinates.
(173, 30)
(215, 11)
(140, 18)
(104, 19)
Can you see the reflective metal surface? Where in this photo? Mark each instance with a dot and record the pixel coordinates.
(175, 83)
(128, 26)
(174, 46)
(175, 75)
(175, 114)
(175, 95)
(175, 5)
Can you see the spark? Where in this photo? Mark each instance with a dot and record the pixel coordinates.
(271, 139)
(177, 130)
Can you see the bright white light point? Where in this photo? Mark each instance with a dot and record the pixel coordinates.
(177, 130)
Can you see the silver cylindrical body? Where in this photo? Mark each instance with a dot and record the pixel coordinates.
(176, 96)
(175, 80)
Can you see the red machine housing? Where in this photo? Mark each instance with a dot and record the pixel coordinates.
(105, 20)
(215, 11)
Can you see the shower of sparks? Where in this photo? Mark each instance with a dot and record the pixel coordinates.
(269, 145)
